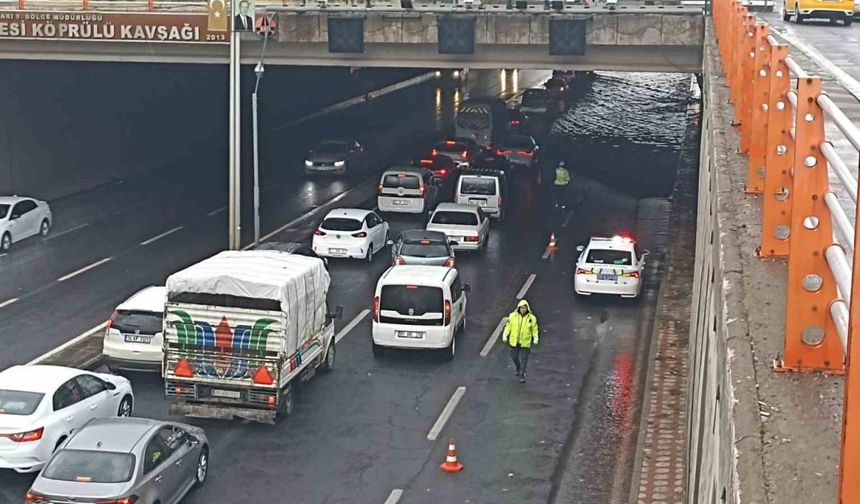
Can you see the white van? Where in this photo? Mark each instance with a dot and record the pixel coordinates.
(482, 190)
(407, 190)
(420, 307)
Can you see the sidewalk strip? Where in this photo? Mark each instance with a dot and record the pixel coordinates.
(349, 327)
(82, 270)
(71, 342)
(488, 346)
(8, 302)
(70, 230)
(394, 496)
(162, 235)
(216, 211)
(529, 281)
(446, 414)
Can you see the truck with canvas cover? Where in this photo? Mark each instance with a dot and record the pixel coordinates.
(240, 328)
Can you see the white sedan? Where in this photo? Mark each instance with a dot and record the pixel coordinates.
(350, 232)
(22, 218)
(466, 226)
(41, 406)
(609, 266)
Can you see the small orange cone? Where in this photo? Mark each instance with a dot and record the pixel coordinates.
(451, 465)
(553, 243)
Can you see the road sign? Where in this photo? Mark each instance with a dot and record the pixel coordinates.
(265, 25)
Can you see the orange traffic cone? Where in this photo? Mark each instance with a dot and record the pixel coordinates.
(553, 243)
(451, 465)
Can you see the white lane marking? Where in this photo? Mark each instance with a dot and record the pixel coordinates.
(4, 254)
(85, 268)
(8, 302)
(394, 496)
(529, 281)
(216, 211)
(546, 254)
(446, 414)
(162, 235)
(70, 230)
(488, 346)
(73, 341)
(349, 327)
(567, 220)
(850, 83)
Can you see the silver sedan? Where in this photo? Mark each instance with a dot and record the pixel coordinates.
(125, 460)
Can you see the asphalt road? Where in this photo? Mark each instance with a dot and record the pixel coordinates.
(361, 432)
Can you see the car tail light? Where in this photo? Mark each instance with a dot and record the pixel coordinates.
(422, 191)
(449, 263)
(183, 369)
(360, 234)
(32, 496)
(319, 232)
(464, 155)
(131, 499)
(500, 201)
(515, 123)
(441, 172)
(110, 320)
(450, 142)
(376, 309)
(427, 162)
(502, 152)
(263, 376)
(434, 152)
(380, 188)
(583, 271)
(472, 238)
(527, 153)
(632, 274)
(447, 312)
(24, 437)
(399, 261)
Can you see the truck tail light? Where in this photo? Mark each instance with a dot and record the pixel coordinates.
(376, 309)
(25, 437)
(183, 369)
(263, 376)
(447, 312)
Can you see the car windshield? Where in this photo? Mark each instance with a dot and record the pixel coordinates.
(614, 257)
(419, 249)
(554, 83)
(341, 224)
(480, 186)
(396, 180)
(534, 97)
(16, 402)
(329, 148)
(142, 322)
(4, 210)
(89, 466)
(411, 299)
(455, 218)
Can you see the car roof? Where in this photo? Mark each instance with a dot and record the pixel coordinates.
(150, 298)
(613, 243)
(348, 213)
(334, 141)
(423, 234)
(456, 207)
(413, 274)
(118, 434)
(37, 378)
(405, 169)
(11, 200)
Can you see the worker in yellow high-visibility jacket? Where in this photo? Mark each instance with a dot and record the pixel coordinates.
(521, 331)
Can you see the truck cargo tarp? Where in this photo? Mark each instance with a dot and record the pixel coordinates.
(298, 283)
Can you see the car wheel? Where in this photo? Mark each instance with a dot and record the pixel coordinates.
(448, 353)
(378, 350)
(369, 256)
(202, 467)
(6, 242)
(126, 406)
(328, 361)
(45, 228)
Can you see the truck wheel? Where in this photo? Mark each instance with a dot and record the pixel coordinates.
(377, 350)
(799, 18)
(848, 20)
(448, 353)
(287, 404)
(328, 361)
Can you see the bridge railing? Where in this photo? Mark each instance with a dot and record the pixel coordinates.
(781, 112)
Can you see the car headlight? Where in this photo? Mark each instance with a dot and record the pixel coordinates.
(339, 163)
(308, 163)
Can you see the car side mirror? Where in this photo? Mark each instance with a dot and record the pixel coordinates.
(467, 288)
(390, 243)
(110, 386)
(192, 440)
(337, 314)
(645, 252)
(580, 248)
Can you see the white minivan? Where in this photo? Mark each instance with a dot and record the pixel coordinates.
(407, 190)
(481, 190)
(419, 307)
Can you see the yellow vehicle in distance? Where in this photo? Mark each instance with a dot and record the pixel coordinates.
(833, 10)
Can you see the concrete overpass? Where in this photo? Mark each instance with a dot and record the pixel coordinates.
(655, 38)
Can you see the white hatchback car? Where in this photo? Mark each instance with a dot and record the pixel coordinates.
(133, 337)
(41, 406)
(465, 225)
(350, 232)
(609, 266)
(22, 218)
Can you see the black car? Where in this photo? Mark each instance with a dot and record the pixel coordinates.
(489, 160)
(441, 165)
(292, 248)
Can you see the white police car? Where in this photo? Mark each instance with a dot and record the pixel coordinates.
(609, 266)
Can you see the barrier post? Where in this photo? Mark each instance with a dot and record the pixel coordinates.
(779, 156)
(742, 107)
(756, 109)
(85, 4)
(150, 5)
(811, 340)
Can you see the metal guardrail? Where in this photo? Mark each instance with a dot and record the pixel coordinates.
(781, 111)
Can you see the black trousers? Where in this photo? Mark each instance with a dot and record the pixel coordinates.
(520, 356)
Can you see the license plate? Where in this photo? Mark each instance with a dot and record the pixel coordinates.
(607, 276)
(336, 251)
(137, 338)
(479, 202)
(229, 394)
(400, 202)
(410, 334)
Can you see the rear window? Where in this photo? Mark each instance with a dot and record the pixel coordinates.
(133, 321)
(451, 146)
(16, 402)
(341, 224)
(613, 257)
(418, 249)
(455, 218)
(411, 299)
(394, 181)
(4, 211)
(478, 186)
(518, 142)
(90, 466)
(534, 97)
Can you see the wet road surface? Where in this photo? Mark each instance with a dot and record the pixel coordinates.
(361, 432)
